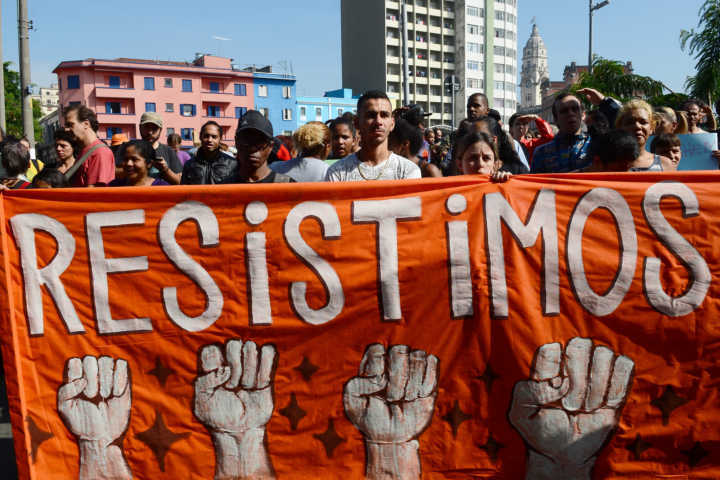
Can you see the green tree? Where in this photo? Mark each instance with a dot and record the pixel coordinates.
(610, 78)
(704, 44)
(13, 107)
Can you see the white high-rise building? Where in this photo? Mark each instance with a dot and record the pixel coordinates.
(475, 40)
(534, 71)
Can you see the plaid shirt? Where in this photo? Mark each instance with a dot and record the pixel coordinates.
(554, 157)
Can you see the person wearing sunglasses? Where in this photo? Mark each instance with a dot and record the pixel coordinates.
(253, 140)
(210, 165)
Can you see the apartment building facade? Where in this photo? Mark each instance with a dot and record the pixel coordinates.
(475, 40)
(331, 105)
(275, 96)
(186, 94)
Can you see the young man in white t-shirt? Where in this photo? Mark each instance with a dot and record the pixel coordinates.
(374, 161)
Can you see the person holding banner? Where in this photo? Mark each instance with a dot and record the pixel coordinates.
(254, 142)
(138, 157)
(96, 165)
(210, 165)
(636, 117)
(374, 161)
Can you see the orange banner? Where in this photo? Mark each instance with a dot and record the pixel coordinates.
(548, 327)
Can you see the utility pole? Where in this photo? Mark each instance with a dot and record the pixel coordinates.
(591, 9)
(24, 47)
(406, 66)
(2, 80)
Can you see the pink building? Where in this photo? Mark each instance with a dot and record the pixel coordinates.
(185, 94)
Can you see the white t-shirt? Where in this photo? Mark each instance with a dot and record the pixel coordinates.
(351, 169)
(306, 169)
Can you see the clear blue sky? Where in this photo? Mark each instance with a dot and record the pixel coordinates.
(307, 33)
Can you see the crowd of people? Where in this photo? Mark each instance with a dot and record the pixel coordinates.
(377, 143)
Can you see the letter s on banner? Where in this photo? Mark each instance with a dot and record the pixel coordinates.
(24, 227)
(327, 216)
(612, 201)
(209, 231)
(700, 277)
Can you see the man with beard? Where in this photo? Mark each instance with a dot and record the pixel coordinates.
(254, 142)
(477, 106)
(210, 165)
(95, 166)
(374, 161)
(166, 164)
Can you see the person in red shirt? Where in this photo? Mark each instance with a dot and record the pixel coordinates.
(519, 126)
(96, 162)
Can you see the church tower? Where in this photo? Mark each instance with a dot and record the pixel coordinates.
(534, 71)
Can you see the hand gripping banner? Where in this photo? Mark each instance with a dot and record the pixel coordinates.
(560, 327)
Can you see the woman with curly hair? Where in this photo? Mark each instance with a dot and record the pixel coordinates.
(313, 143)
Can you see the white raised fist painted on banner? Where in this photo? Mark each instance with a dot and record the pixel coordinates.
(234, 400)
(391, 402)
(94, 402)
(569, 407)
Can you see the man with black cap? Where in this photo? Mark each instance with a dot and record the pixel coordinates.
(166, 164)
(210, 165)
(254, 142)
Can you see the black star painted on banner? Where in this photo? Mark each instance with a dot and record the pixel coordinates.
(667, 402)
(455, 417)
(293, 412)
(488, 377)
(329, 438)
(492, 447)
(638, 447)
(695, 454)
(37, 436)
(161, 371)
(307, 369)
(159, 438)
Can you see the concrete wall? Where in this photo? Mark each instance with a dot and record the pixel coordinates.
(363, 44)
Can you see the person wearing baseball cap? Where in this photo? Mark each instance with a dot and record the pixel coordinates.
(166, 164)
(210, 165)
(254, 142)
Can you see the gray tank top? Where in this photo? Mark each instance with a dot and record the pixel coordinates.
(655, 166)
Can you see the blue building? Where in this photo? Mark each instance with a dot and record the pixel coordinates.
(275, 98)
(321, 109)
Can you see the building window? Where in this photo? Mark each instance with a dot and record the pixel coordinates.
(287, 114)
(499, 33)
(473, 65)
(240, 111)
(213, 111)
(186, 133)
(168, 83)
(499, 50)
(112, 108)
(187, 110)
(170, 131)
(287, 92)
(59, 83)
(149, 83)
(169, 107)
(473, 29)
(340, 112)
(475, 83)
(187, 85)
(150, 107)
(265, 112)
(73, 82)
(214, 87)
(500, 15)
(114, 82)
(113, 131)
(303, 114)
(262, 91)
(475, 11)
(240, 89)
(499, 68)
(318, 114)
(474, 48)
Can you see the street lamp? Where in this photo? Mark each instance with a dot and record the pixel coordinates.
(597, 6)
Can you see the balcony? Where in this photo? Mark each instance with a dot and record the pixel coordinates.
(395, 42)
(118, 118)
(392, 77)
(216, 97)
(448, 48)
(435, 30)
(392, 23)
(114, 92)
(392, 59)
